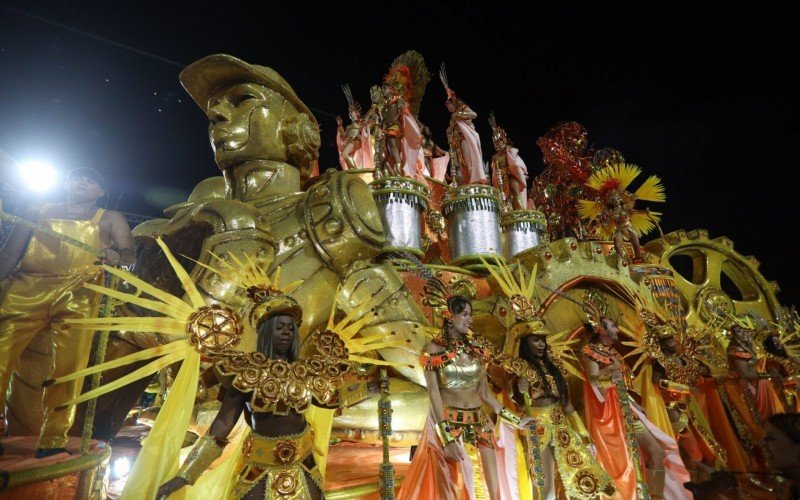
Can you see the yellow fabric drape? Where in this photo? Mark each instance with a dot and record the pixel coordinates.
(652, 402)
(158, 460)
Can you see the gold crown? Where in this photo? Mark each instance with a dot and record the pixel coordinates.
(274, 305)
(662, 332)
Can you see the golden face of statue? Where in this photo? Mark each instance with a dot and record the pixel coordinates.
(245, 124)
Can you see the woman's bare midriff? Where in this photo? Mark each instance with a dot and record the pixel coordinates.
(465, 397)
(271, 425)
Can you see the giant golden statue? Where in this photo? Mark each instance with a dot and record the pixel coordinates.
(265, 141)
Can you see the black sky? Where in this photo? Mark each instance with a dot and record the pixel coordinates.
(705, 100)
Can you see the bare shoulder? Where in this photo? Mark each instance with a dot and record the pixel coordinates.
(432, 348)
(113, 217)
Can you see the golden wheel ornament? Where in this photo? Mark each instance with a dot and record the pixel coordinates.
(713, 277)
(214, 329)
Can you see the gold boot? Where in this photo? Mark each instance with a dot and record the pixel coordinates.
(655, 483)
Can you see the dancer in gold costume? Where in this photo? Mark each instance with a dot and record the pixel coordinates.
(564, 444)
(255, 352)
(455, 372)
(277, 455)
(47, 287)
(538, 363)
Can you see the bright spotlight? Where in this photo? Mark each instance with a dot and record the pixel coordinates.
(122, 466)
(38, 176)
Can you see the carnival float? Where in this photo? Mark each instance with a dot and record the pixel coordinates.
(371, 250)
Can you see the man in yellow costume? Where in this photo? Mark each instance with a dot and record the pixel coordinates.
(45, 286)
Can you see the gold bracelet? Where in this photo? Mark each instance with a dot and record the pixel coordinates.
(577, 425)
(605, 382)
(205, 451)
(443, 430)
(509, 416)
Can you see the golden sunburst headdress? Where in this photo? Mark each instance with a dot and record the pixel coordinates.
(596, 307)
(612, 182)
(524, 304)
(266, 295)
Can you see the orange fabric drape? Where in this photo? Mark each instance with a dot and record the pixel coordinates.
(430, 475)
(768, 401)
(606, 424)
(714, 409)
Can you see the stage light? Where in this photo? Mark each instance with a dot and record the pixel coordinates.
(38, 176)
(121, 467)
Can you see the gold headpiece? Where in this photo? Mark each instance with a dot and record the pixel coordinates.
(520, 292)
(614, 181)
(499, 135)
(522, 300)
(596, 307)
(266, 296)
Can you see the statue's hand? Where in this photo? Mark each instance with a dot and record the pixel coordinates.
(170, 487)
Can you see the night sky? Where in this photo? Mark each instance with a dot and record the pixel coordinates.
(706, 101)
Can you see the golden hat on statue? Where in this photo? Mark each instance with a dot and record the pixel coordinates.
(204, 77)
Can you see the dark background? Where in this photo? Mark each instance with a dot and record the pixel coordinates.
(705, 100)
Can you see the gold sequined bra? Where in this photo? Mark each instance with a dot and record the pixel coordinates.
(460, 365)
(278, 386)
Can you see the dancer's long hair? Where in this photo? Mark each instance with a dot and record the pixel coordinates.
(543, 366)
(266, 339)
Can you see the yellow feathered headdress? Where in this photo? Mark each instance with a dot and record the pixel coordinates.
(614, 181)
(524, 304)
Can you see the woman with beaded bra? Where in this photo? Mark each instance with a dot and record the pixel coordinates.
(278, 459)
(564, 443)
(458, 439)
(537, 366)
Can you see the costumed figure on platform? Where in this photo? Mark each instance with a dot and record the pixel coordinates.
(466, 158)
(781, 360)
(618, 423)
(456, 456)
(539, 363)
(568, 163)
(756, 397)
(46, 271)
(435, 158)
(509, 173)
(715, 388)
(613, 209)
(403, 88)
(668, 373)
(354, 142)
(287, 399)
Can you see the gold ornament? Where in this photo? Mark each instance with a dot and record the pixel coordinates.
(214, 330)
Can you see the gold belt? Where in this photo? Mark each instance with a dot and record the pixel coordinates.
(279, 450)
(464, 415)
